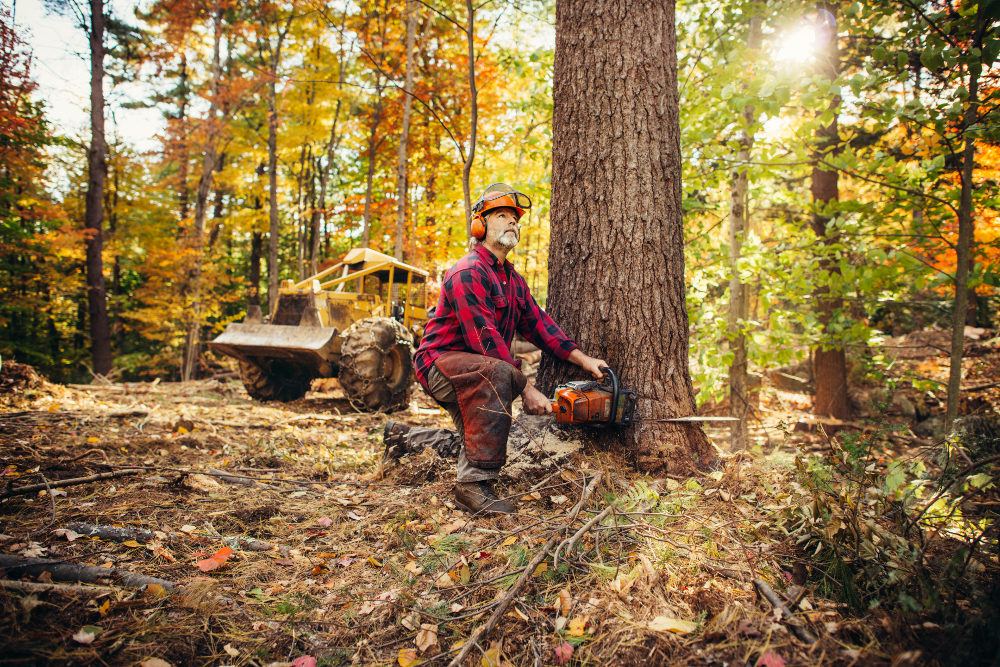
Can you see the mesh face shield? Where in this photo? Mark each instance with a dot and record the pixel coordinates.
(501, 195)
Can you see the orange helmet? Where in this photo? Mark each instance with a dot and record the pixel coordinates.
(498, 195)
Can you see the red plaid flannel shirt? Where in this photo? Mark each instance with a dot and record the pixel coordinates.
(482, 304)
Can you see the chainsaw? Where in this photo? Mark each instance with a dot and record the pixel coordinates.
(604, 403)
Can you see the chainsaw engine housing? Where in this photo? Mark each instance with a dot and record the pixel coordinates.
(598, 403)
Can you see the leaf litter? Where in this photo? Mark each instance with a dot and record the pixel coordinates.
(369, 566)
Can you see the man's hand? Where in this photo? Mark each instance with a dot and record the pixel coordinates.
(535, 402)
(590, 364)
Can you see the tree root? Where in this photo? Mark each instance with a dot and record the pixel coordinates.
(66, 571)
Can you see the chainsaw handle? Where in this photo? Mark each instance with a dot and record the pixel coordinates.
(614, 392)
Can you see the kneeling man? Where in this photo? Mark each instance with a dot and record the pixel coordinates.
(465, 361)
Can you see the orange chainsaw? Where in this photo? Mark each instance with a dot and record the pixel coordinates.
(604, 403)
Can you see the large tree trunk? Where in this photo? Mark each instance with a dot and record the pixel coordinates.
(373, 145)
(470, 36)
(829, 364)
(965, 230)
(616, 256)
(100, 334)
(404, 133)
(256, 247)
(739, 292)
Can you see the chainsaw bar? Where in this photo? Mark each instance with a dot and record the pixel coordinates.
(690, 419)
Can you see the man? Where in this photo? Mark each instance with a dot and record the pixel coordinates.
(465, 362)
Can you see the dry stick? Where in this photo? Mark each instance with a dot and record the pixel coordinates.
(230, 478)
(123, 534)
(64, 571)
(66, 589)
(32, 488)
(571, 542)
(85, 455)
(484, 630)
(796, 625)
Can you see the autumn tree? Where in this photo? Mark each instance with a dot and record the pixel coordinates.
(616, 259)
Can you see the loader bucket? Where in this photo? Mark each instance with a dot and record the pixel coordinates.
(309, 347)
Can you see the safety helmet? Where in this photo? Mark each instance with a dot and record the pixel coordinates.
(498, 195)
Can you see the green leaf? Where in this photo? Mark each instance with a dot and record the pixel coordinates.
(878, 53)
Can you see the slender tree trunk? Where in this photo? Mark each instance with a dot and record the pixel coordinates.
(739, 292)
(616, 256)
(470, 35)
(300, 225)
(965, 229)
(324, 180)
(272, 167)
(256, 248)
(217, 208)
(830, 364)
(185, 156)
(373, 145)
(404, 133)
(100, 334)
(197, 242)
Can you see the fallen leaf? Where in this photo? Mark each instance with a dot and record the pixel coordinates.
(155, 591)
(304, 661)
(577, 625)
(57, 493)
(455, 608)
(621, 584)
(132, 543)
(345, 561)
(155, 662)
(564, 602)
(367, 608)
(34, 550)
(187, 528)
(216, 560)
(517, 613)
(450, 528)
(491, 658)
(67, 533)
(93, 439)
(352, 515)
(228, 648)
(444, 581)
(427, 637)
(413, 568)
(284, 561)
(747, 629)
(407, 657)
(558, 500)
(104, 608)
(325, 521)
(45, 577)
(564, 652)
(667, 624)
(542, 567)
(374, 561)
(771, 659)
(87, 634)
(463, 574)
(535, 495)
(411, 621)
(509, 541)
(560, 623)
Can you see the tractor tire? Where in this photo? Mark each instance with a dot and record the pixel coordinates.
(263, 385)
(376, 365)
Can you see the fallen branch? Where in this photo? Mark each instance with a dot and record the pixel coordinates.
(124, 534)
(230, 478)
(66, 571)
(85, 455)
(33, 488)
(514, 590)
(800, 631)
(571, 542)
(65, 589)
(322, 418)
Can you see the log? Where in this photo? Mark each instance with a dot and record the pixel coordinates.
(113, 533)
(34, 488)
(67, 571)
(800, 631)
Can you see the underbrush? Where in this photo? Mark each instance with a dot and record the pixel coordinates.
(914, 533)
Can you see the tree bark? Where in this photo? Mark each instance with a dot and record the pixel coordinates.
(739, 292)
(616, 256)
(100, 333)
(470, 35)
(962, 249)
(829, 365)
(256, 248)
(272, 166)
(373, 146)
(404, 133)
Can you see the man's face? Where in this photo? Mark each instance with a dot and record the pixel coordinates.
(502, 228)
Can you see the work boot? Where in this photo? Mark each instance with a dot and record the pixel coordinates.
(394, 435)
(478, 497)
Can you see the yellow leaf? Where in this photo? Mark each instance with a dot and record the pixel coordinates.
(132, 543)
(509, 541)
(491, 657)
(564, 603)
(413, 568)
(517, 613)
(93, 439)
(374, 561)
(542, 567)
(182, 430)
(577, 625)
(156, 591)
(667, 624)
(464, 574)
(104, 608)
(444, 581)
(407, 657)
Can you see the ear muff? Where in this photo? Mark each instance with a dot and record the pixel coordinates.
(478, 226)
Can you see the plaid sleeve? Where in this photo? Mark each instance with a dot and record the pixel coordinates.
(536, 325)
(476, 314)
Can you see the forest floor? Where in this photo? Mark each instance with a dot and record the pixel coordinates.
(274, 537)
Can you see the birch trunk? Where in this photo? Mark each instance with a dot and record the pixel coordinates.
(404, 134)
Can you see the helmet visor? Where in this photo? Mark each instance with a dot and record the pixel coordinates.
(500, 195)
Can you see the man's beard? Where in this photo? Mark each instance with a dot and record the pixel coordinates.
(503, 240)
